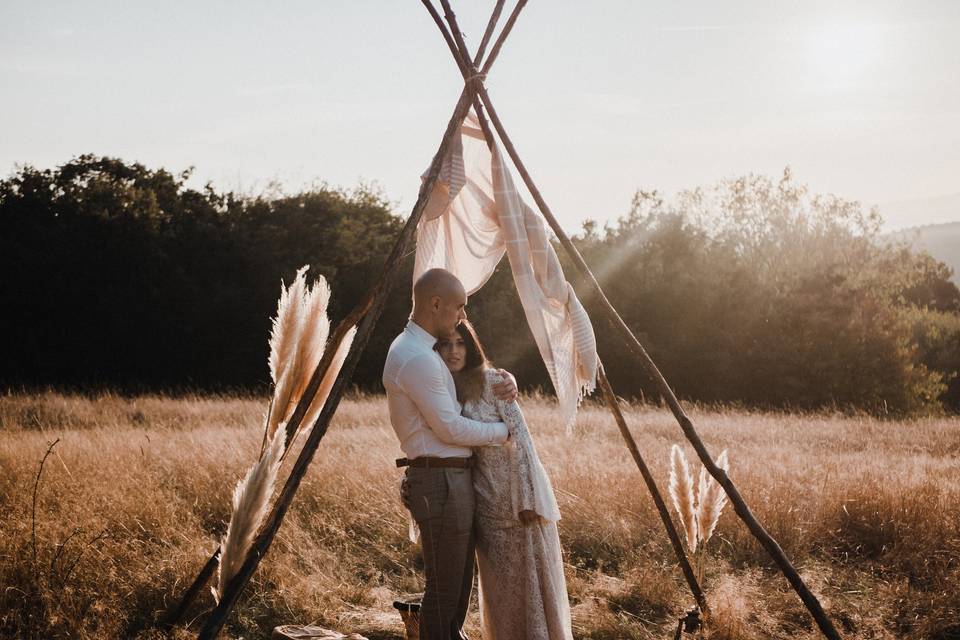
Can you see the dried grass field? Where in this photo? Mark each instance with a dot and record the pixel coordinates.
(136, 493)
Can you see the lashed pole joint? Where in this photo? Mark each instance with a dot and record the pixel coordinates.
(468, 69)
(621, 328)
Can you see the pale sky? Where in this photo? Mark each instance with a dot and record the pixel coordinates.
(861, 99)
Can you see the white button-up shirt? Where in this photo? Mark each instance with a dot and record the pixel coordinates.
(423, 401)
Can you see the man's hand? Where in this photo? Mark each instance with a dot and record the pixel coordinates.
(528, 517)
(506, 389)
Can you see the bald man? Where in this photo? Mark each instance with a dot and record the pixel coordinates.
(437, 441)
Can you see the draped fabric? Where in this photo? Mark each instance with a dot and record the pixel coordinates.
(474, 216)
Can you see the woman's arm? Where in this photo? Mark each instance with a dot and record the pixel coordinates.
(525, 497)
(535, 498)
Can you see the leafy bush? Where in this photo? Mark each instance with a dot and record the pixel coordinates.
(756, 292)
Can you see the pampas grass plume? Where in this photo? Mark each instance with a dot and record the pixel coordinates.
(297, 343)
(710, 499)
(284, 338)
(681, 490)
(314, 329)
(250, 499)
(329, 378)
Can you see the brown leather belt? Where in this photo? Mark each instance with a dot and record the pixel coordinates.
(428, 462)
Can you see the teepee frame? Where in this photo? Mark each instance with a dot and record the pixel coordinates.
(367, 313)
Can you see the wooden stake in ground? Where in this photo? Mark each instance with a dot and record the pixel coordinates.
(621, 328)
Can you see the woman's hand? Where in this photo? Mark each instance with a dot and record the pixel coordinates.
(529, 517)
(506, 389)
(405, 492)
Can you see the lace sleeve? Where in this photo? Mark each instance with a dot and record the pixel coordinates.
(524, 498)
(532, 486)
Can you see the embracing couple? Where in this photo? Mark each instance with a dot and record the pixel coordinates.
(473, 484)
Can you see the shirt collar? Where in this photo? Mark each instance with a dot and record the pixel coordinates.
(421, 334)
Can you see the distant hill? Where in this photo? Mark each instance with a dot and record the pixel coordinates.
(933, 210)
(942, 241)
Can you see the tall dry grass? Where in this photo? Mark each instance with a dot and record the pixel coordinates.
(868, 510)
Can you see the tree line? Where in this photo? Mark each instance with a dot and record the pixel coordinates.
(752, 291)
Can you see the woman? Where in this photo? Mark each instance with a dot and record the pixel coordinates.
(523, 594)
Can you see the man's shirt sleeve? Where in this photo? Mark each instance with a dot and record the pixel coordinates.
(422, 379)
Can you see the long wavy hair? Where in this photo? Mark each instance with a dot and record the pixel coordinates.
(471, 378)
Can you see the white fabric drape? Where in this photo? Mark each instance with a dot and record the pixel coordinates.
(474, 216)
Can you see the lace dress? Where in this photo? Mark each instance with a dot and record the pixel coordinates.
(523, 593)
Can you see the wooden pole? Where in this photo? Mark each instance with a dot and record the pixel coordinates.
(491, 24)
(370, 309)
(262, 542)
(174, 615)
(468, 71)
(621, 328)
(333, 343)
(463, 54)
(507, 28)
(611, 399)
